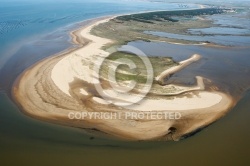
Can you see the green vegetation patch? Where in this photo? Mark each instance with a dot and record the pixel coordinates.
(166, 15)
(139, 74)
(124, 29)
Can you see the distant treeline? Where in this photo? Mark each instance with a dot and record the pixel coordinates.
(167, 15)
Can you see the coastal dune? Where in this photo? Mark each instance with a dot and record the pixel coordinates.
(63, 85)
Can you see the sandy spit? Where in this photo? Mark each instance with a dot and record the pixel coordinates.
(60, 85)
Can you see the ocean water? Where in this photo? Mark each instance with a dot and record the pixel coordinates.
(23, 21)
(32, 30)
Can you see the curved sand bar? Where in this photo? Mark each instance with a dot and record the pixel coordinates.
(167, 73)
(61, 85)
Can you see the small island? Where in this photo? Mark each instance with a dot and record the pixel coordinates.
(97, 76)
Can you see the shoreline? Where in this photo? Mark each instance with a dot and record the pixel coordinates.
(19, 96)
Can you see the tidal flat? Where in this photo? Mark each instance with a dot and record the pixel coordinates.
(52, 138)
(89, 82)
